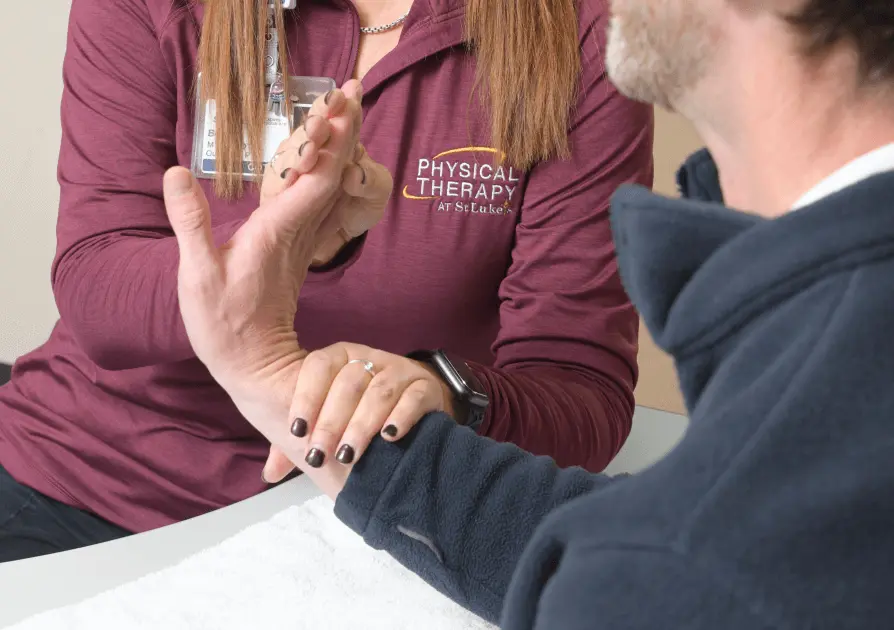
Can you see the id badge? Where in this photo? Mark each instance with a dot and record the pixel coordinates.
(304, 91)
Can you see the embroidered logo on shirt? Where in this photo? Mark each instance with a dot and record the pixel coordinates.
(460, 182)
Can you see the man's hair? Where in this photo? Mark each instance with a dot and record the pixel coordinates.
(865, 25)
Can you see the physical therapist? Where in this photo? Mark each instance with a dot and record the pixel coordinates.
(504, 140)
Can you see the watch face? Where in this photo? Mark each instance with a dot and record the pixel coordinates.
(465, 374)
(461, 380)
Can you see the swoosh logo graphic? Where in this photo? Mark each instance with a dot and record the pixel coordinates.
(409, 196)
(472, 150)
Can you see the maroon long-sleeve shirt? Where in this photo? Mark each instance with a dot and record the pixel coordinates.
(514, 271)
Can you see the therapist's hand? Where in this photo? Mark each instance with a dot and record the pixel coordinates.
(348, 393)
(366, 184)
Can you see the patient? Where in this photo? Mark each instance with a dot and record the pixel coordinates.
(776, 509)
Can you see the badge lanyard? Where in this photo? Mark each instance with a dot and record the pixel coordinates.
(273, 70)
(303, 91)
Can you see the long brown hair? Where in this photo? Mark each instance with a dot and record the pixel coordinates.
(528, 65)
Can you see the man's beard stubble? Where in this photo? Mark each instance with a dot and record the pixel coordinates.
(659, 51)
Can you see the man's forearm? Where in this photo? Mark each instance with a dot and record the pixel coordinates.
(443, 498)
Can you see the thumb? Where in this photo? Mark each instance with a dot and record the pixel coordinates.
(190, 217)
(277, 467)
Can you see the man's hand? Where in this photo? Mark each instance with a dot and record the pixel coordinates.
(238, 301)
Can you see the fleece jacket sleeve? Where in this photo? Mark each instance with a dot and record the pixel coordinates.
(456, 508)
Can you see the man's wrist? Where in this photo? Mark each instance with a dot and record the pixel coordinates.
(265, 400)
(271, 386)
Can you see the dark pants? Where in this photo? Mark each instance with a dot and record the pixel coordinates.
(32, 524)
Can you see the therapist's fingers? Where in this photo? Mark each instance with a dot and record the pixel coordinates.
(341, 401)
(318, 371)
(299, 153)
(325, 107)
(371, 184)
(300, 150)
(371, 414)
(420, 398)
(356, 180)
(336, 102)
(367, 179)
(295, 156)
(312, 197)
(333, 102)
(342, 110)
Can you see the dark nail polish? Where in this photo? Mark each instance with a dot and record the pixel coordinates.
(390, 430)
(302, 147)
(315, 458)
(345, 454)
(363, 177)
(328, 96)
(286, 172)
(299, 427)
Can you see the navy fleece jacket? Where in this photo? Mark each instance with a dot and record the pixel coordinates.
(777, 508)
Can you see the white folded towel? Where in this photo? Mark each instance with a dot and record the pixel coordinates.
(302, 569)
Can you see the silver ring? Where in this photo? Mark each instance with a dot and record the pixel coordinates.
(367, 365)
(272, 162)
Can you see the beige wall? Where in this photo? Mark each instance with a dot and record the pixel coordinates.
(675, 139)
(29, 136)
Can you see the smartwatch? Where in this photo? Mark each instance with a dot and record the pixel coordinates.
(469, 400)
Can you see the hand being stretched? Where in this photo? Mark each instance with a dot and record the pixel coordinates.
(238, 301)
